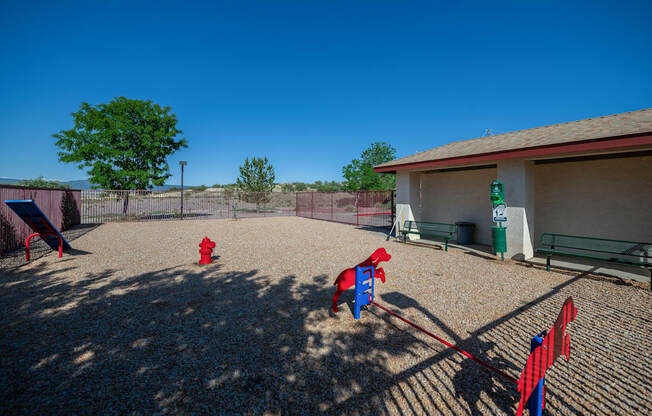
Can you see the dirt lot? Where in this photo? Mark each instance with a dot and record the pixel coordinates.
(128, 323)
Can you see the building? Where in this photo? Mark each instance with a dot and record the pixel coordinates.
(590, 177)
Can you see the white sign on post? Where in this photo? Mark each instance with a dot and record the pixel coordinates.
(499, 213)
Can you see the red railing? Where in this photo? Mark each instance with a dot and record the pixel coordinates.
(362, 208)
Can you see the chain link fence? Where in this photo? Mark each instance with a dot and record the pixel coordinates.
(362, 208)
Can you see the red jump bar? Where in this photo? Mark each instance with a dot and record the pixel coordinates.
(448, 344)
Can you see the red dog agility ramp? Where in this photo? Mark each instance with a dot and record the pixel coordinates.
(29, 212)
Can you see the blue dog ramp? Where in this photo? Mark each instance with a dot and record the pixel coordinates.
(29, 212)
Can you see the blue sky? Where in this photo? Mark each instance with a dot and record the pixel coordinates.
(311, 84)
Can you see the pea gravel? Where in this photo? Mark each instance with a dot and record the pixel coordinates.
(130, 324)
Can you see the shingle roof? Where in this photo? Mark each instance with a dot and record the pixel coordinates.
(633, 122)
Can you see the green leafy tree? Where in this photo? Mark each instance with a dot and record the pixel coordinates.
(256, 180)
(125, 143)
(43, 183)
(360, 175)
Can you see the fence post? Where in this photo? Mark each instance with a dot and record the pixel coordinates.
(357, 209)
(331, 207)
(312, 205)
(393, 207)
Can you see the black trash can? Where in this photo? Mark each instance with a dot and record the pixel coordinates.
(465, 232)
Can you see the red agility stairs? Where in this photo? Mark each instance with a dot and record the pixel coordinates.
(346, 279)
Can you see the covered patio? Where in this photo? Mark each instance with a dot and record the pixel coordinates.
(590, 178)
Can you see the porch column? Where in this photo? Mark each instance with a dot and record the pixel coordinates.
(518, 178)
(408, 199)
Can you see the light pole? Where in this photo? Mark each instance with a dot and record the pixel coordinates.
(182, 163)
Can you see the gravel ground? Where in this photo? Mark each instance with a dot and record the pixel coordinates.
(130, 324)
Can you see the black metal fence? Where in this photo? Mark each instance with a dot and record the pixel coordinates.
(100, 206)
(362, 208)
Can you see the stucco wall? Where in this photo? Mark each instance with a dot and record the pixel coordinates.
(518, 177)
(459, 196)
(408, 200)
(609, 198)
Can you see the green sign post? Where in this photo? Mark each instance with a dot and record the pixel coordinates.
(499, 233)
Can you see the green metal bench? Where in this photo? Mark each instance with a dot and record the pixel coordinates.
(624, 252)
(429, 229)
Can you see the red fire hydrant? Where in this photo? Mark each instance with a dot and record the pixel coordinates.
(206, 249)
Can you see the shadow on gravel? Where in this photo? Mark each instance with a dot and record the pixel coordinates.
(481, 256)
(471, 381)
(210, 341)
(607, 374)
(178, 342)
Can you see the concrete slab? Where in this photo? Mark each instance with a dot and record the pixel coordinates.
(621, 271)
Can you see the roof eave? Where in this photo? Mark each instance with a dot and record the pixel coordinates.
(632, 140)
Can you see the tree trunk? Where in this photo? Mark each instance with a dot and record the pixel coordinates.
(125, 204)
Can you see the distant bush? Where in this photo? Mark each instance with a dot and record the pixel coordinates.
(332, 186)
(317, 186)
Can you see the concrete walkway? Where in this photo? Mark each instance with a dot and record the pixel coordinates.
(621, 271)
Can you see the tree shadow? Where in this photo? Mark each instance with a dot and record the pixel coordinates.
(204, 340)
(180, 341)
(472, 380)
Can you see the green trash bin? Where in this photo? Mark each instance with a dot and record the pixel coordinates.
(465, 232)
(499, 237)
